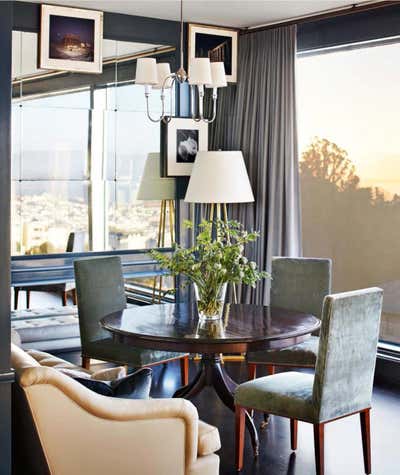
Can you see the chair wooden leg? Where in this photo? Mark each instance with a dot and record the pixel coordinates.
(28, 298)
(64, 297)
(366, 439)
(74, 298)
(85, 362)
(184, 370)
(293, 433)
(270, 369)
(319, 446)
(252, 369)
(16, 293)
(239, 436)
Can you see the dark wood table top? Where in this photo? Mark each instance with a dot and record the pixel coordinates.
(176, 327)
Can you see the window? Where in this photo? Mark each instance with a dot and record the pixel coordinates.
(79, 145)
(349, 101)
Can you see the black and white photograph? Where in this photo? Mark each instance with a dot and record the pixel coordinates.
(71, 39)
(217, 44)
(181, 139)
(187, 142)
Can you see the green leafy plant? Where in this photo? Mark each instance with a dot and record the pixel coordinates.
(217, 258)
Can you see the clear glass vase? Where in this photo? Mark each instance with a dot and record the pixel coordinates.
(210, 301)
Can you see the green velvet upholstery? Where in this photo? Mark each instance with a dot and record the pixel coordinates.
(344, 371)
(100, 291)
(303, 354)
(298, 284)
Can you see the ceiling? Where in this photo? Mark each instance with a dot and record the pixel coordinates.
(235, 13)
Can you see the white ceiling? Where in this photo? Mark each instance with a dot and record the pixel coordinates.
(236, 13)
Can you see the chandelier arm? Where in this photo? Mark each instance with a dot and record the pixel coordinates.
(148, 110)
(214, 114)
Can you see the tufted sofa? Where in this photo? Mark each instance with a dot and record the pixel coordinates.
(76, 431)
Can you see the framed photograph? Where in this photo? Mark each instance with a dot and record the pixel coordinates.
(181, 139)
(71, 39)
(218, 44)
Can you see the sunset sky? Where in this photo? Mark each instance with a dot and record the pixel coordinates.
(352, 98)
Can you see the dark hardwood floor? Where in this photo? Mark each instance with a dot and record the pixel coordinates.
(343, 438)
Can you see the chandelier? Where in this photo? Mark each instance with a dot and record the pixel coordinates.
(203, 74)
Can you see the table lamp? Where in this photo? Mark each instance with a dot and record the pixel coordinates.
(219, 178)
(154, 188)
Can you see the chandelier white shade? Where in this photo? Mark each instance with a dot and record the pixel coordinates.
(200, 71)
(218, 77)
(152, 186)
(219, 177)
(163, 76)
(146, 72)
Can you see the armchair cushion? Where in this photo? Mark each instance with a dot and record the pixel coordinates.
(209, 441)
(303, 354)
(113, 382)
(286, 394)
(134, 386)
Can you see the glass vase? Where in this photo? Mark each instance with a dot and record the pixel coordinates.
(210, 301)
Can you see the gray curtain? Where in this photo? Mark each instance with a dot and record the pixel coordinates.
(258, 116)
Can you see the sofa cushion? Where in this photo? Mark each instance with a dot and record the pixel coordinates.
(208, 439)
(49, 328)
(20, 359)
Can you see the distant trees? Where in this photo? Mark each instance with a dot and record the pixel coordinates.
(324, 159)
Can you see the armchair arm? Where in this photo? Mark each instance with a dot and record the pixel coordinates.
(106, 408)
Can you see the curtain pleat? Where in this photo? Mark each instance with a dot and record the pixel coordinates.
(258, 117)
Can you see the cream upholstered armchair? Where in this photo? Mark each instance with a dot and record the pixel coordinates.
(83, 432)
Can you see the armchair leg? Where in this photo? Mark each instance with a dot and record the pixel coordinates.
(366, 439)
(293, 433)
(85, 362)
(319, 446)
(74, 297)
(64, 297)
(270, 369)
(252, 369)
(28, 298)
(184, 370)
(239, 435)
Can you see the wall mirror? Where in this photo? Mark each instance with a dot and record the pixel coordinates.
(79, 145)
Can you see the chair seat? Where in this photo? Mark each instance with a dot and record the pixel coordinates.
(108, 350)
(208, 439)
(303, 354)
(284, 394)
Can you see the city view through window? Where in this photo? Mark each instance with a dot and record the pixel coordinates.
(77, 161)
(349, 142)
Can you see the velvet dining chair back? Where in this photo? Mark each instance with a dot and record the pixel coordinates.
(347, 353)
(300, 283)
(100, 291)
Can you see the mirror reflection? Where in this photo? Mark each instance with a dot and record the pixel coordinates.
(79, 146)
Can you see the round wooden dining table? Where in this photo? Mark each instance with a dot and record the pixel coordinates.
(242, 328)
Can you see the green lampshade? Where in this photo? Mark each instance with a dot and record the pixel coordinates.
(152, 186)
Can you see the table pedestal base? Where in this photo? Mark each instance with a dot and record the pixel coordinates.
(212, 373)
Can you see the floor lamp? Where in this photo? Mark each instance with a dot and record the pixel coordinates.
(154, 188)
(219, 178)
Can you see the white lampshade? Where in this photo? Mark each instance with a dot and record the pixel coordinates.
(152, 186)
(146, 71)
(163, 70)
(200, 71)
(219, 177)
(218, 75)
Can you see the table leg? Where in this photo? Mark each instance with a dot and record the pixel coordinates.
(212, 373)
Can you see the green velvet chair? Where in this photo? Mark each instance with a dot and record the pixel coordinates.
(100, 291)
(298, 284)
(342, 384)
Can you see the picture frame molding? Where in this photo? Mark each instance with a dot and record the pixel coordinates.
(45, 62)
(194, 28)
(168, 166)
